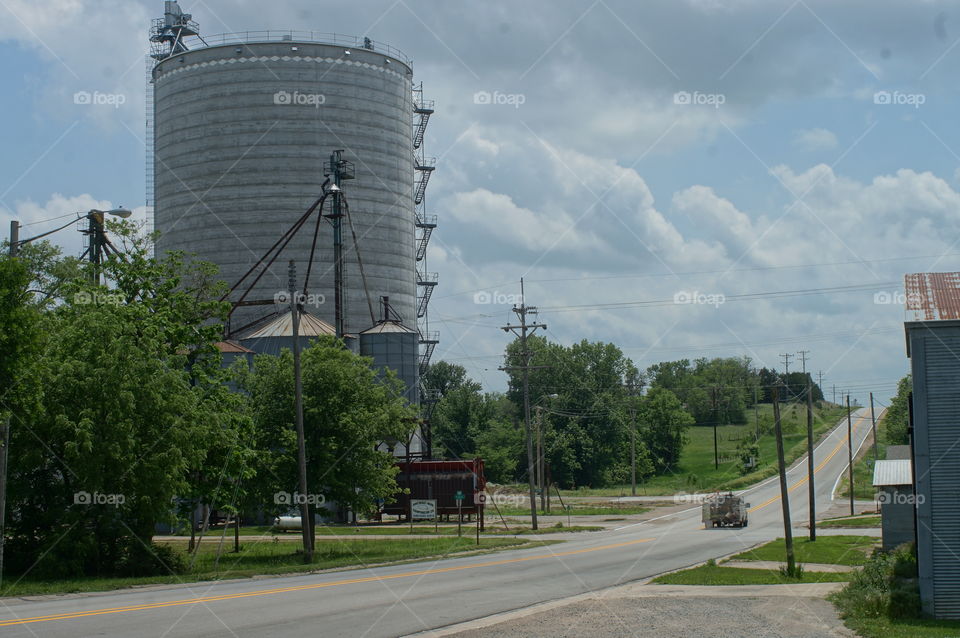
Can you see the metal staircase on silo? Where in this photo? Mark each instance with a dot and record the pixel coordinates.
(426, 281)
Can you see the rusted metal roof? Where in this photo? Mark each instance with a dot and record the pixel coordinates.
(932, 296)
(282, 326)
(886, 473)
(232, 346)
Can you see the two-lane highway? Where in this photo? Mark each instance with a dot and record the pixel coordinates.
(404, 599)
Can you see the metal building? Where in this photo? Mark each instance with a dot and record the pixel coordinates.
(933, 345)
(243, 124)
(240, 128)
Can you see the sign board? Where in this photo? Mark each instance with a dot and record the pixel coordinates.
(423, 509)
(458, 496)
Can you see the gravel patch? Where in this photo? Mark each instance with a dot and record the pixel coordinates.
(770, 611)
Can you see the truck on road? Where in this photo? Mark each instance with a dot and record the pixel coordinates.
(725, 510)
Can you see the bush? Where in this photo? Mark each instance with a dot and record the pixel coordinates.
(886, 587)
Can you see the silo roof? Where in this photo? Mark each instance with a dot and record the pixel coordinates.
(932, 296)
(282, 326)
(896, 472)
(232, 346)
(385, 327)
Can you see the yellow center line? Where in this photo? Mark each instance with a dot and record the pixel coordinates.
(283, 590)
(815, 471)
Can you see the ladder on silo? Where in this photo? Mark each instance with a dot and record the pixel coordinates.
(425, 168)
(427, 281)
(424, 110)
(425, 224)
(429, 341)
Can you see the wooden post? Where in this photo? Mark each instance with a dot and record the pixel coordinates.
(784, 490)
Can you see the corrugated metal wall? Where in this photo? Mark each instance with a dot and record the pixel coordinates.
(935, 362)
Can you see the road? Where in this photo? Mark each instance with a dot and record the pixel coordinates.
(405, 599)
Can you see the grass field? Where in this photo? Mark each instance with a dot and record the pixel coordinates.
(858, 521)
(719, 575)
(696, 471)
(576, 510)
(863, 469)
(267, 557)
(835, 550)
(884, 628)
(492, 527)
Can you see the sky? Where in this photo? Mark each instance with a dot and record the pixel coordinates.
(682, 178)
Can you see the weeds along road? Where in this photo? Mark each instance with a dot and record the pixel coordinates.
(404, 599)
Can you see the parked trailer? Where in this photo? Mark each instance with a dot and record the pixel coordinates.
(440, 480)
(725, 510)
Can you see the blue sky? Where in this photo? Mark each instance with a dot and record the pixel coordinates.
(600, 187)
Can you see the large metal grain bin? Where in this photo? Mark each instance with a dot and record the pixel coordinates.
(243, 126)
(933, 345)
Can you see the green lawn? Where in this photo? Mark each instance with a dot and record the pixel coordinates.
(863, 470)
(493, 527)
(696, 471)
(267, 557)
(884, 628)
(857, 521)
(835, 550)
(719, 575)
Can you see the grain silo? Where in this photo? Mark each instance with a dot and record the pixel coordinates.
(240, 129)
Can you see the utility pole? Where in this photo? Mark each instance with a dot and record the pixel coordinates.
(820, 381)
(716, 453)
(14, 237)
(810, 469)
(834, 393)
(873, 422)
(540, 463)
(850, 452)
(522, 332)
(786, 372)
(633, 386)
(784, 490)
(5, 443)
(306, 524)
(756, 412)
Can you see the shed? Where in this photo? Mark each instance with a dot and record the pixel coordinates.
(933, 344)
(893, 480)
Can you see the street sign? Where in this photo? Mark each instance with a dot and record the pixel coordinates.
(423, 509)
(458, 496)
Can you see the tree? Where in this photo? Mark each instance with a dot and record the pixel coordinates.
(665, 423)
(897, 418)
(347, 411)
(126, 408)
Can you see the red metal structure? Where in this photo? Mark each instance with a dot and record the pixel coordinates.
(440, 480)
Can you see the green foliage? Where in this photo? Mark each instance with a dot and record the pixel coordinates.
(664, 426)
(896, 419)
(748, 450)
(129, 398)
(347, 411)
(886, 587)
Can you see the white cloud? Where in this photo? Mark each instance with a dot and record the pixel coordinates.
(815, 139)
